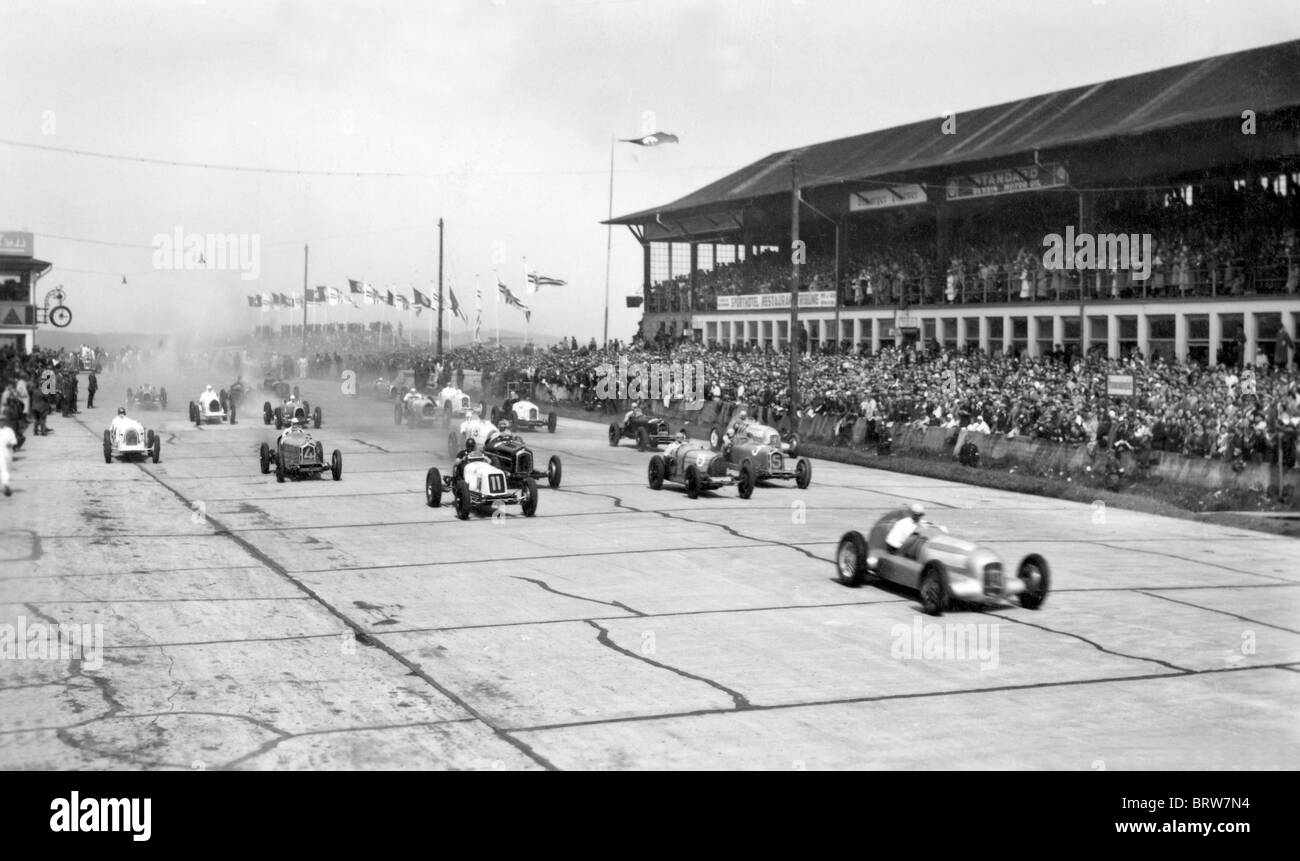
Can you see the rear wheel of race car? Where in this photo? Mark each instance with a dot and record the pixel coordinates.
(715, 439)
(279, 418)
(613, 434)
(315, 417)
(279, 470)
(108, 447)
(1037, 577)
(162, 399)
(264, 458)
(802, 473)
(266, 413)
(745, 486)
(934, 589)
(528, 497)
(554, 471)
(656, 472)
(693, 483)
(551, 420)
(397, 413)
(851, 559)
(433, 487)
(155, 449)
(642, 439)
(461, 494)
(148, 438)
(336, 465)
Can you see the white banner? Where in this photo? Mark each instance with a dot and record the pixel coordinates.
(760, 301)
(884, 198)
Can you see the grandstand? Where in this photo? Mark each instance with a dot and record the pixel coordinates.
(934, 231)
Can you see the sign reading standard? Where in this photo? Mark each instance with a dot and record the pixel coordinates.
(1119, 385)
(757, 301)
(1028, 178)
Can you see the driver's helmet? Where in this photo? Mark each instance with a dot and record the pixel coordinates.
(514, 394)
(470, 445)
(295, 426)
(916, 510)
(503, 426)
(681, 436)
(121, 411)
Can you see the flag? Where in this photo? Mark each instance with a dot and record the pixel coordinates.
(404, 302)
(652, 139)
(536, 282)
(334, 296)
(357, 286)
(528, 316)
(510, 298)
(265, 300)
(421, 302)
(478, 317)
(455, 306)
(318, 296)
(388, 299)
(254, 301)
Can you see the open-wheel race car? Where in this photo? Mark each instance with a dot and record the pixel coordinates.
(648, 431)
(481, 487)
(281, 388)
(415, 408)
(767, 454)
(292, 408)
(297, 455)
(129, 440)
(698, 468)
(451, 401)
(208, 408)
(146, 397)
(944, 570)
(523, 413)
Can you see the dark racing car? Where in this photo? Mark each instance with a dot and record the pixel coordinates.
(647, 431)
(297, 455)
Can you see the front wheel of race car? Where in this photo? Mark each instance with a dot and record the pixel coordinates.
(461, 494)
(108, 447)
(551, 420)
(528, 497)
(433, 488)
(315, 418)
(793, 442)
(642, 439)
(613, 434)
(554, 471)
(148, 438)
(851, 559)
(336, 465)
(715, 439)
(745, 486)
(934, 589)
(693, 484)
(279, 471)
(267, 414)
(264, 458)
(155, 449)
(802, 473)
(194, 412)
(1037, 577)
(656, 472)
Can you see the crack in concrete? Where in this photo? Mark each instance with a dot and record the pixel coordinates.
(544, 585)
(1098, 646)
(1156, 594)
(740, 701)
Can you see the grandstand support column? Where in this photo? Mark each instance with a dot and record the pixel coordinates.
(857, 333)
(1144, 333)
(1288, 324)
(1058, 331)
(1008, 333)
(1250, 327)
(1180, 337)
(961, 333)
(1031, 336)
(875, 335)
(1112, 336)
(984, 334)
(695, 271)
(1216, 339)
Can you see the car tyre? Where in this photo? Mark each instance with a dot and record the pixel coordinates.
(267, 413)
(264, 458)
(613, 434)
(462, 500)
(693, 483)
(194, 412)
(794, 445)
(554, 471)
(851, 559)
(745, 487)
(802, 473)
(528, 497)
(155, 449)
(433, 488)
(715, 439)
(108, 447)
(315, 418)
(935, 596)
(551, 421)
(496, 415)
(656, 472)
(1037, 577)
(336, 465)
(279, 470)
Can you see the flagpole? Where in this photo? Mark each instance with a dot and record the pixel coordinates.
(440, 231)
(609, 236)
(497, 307)
(305, 253)
(526, 293)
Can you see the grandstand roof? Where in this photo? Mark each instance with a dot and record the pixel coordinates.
(1260, 79)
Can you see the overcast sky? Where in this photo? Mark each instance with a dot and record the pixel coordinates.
(505, 107)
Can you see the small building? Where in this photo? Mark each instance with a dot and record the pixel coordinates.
(19, 273)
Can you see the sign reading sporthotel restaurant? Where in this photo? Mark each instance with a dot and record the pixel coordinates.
(752, 301)
(17, 244)
(884, 198)
(1028, 178)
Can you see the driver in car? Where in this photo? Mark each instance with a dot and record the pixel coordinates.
(904, 537)
(738, 424)
(294, 431)
(464, 456)
(510, 402)
(119, 423)
(675, 446)
(208, 396)
(633, 413)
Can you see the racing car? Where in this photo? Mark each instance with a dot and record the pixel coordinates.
(648, 431)
(207, 408)
(281, 388)
(944, 570)
(523, 413)
(762, 447)
(452, 400)
(146, 398)
(129, 440)
(698, 468)
(415, 408)
(297, 455)
(482, 488)
(290, 409)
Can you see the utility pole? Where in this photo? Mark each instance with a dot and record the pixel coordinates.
(305, 253)
(795, 255)
(439, 289)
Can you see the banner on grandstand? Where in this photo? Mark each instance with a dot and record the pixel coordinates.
(1119, 385)
(907, 321)
(1030, 177)
(752, 301)
(884, 198)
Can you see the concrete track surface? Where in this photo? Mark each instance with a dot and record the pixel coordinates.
(345, 625)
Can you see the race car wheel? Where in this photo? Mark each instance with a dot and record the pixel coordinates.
(279, 471)
(794, 445)
(397, 413)
(148, 438)
(656, 472)
(745, 487)
(433, 487)
(267, 414)
(692, 482)
(162, 399)
(194, 412)
(803, 473)
(554, 471)
(715, 439)
(155, 452)
(613, 434)
(642, 439)
(551, 420)
(1037, 577)
(453, 446)
(934, 589)
(279, 418)
(264, 458)
(851, 559)
(315, 418)
(461, 494)
(336, 465)
(528, 497)
(108, 447)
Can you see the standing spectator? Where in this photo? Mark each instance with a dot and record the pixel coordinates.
(92, 386)
(1281, 348)
(40, 408)
(8, 442)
